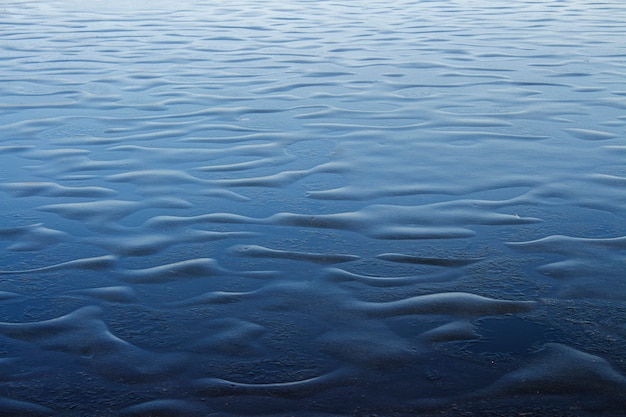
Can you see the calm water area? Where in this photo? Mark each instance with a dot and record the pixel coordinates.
(313, 208)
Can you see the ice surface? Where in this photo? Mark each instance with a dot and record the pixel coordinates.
(312, 208)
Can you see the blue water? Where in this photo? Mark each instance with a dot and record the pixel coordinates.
(312, 208)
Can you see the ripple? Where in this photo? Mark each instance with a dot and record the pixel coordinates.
(191, 268)
(588, 134)
(6, 295)
(84, 334)
(451, 332)
(451, 262)
(545, 374)
(50, 189)
(106, 213)
(257, 251)
(453, 303)
(231, 337)
(293, 389)
(95, 263)
(32, 237)
(340, 275)
(117, 294)
(588, 270)
(147, 243)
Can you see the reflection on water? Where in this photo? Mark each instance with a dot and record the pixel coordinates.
(312, 208)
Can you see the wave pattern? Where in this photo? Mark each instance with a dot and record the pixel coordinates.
(312, 207)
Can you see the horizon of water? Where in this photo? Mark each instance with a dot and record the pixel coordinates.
(312, 208)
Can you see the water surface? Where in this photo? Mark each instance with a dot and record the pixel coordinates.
(312, 208)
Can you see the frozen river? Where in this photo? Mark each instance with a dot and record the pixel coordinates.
(312, 208)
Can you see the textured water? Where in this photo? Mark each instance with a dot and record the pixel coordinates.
(313, 208)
